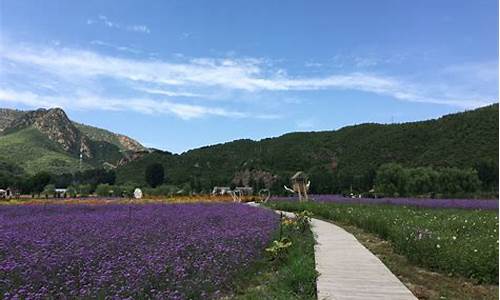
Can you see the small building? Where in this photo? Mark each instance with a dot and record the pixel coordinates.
(221, 190)
(244, 190)
(5, 193)
(60, 193)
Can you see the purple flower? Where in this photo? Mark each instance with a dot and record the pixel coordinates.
(161, 251)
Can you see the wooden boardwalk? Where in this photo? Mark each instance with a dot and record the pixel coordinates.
(349, 271)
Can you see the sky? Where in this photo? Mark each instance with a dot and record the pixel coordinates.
(177, 75)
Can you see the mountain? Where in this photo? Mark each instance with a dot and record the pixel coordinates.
(46, 139)
(457, 140)
(124, 143)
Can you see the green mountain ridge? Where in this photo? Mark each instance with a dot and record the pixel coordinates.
(47, 140)
(456, 140)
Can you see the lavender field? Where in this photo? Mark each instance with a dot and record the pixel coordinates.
(485, 204)
(155, 251)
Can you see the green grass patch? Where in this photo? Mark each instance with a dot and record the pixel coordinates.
(453, 242)
(424, 284)
(34, 152)
(291, 276)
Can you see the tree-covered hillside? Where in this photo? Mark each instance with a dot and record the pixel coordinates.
(351, 154)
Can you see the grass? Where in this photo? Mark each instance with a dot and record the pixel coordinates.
(423, 284)
(438, 253)
(293, 277)
(451, 241)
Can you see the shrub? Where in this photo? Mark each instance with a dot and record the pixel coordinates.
(103, 190)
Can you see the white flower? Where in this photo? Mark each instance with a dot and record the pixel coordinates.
(454, 237)
(438, 246)
(475, 250)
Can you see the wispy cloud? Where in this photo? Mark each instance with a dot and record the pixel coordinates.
(142, 105)
(116, 47)
(103, 20)
(173, 87)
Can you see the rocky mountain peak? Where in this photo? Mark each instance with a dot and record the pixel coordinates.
(56, 125)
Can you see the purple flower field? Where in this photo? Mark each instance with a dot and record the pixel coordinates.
(418, 202)
(177, 251)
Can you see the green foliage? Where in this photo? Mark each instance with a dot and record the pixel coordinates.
(84, 190)
(394, 180)
(33, 152)
(102, 135)
(458, 242)
(453, 181)
(162, 190)
(279, 249)
(155, 174)
(391, 180)
(303, 218)
(39, 181)
(49, 190)
(71, 191)
(292, 277)
(455, 141)
(103, 190)
(488, 173)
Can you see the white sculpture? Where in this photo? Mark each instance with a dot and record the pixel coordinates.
(137, 193)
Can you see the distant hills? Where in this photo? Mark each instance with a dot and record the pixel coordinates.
(45, 139)
(352, 153)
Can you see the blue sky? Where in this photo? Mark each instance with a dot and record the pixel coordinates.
(181, 74)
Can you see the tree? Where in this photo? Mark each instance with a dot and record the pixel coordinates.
(84, 189)
(39, 181)
(487, 170)
(71, 191)
(49, 189)
(391, 179)
(422, 180)
(155, 174)
(103, 190)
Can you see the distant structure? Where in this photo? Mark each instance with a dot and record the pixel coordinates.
(5, 193)
(60, 193)
(236, 194)
(244, 190)
(265, 195)
(221, 190)
(137, 193)
(300, 185)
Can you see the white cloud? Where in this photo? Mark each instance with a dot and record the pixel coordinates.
(103, 20)
(169, 93)
(75, 77)
(142, 105)
(116, 47)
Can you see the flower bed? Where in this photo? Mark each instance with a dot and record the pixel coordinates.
(160, 251)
